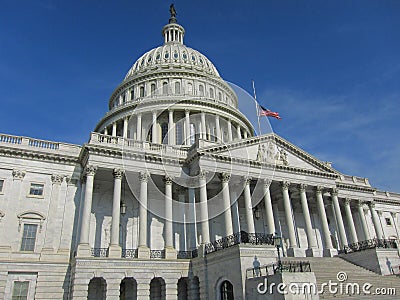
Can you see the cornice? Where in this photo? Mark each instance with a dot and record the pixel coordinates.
(352, 187)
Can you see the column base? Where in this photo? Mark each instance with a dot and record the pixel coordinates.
(83, 250)
(314, 252)
(143, 252)
(201, 250)
(170, 253)
(330, 252)
(114, 251)
(295, 252)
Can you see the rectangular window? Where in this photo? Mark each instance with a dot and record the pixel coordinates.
(388, 222)
(29, 237)
(20, 290)
(36, 189)
(1, 185)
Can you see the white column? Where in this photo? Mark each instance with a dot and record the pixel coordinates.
(125, 131)
(312, 243)
(169, 234)
(218, 128)
(154, 138)
(268, 207)
(187, 127)
(87, 210)
(105, 131)
(235, 212)
(143, 251)
(339, 219)
(128, 95)
(115, 249)
(230, 136)
(114, 129)
(350, 221)
(139, 127)
(375, 220)
(363, 221)
(288, 214)
(203, 126)
(205, 229)
(171, 127)
(224, 177)
(394, 217)
(379, 212)
(324, 220)
(192, 226)
(239, 132)
(245, 134)
(248, 206)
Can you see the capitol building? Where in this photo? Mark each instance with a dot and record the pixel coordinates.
(174, 196)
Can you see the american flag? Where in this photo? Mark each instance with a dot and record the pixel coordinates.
(266, 112)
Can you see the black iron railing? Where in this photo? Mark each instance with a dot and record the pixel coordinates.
(241, 237)
(369, 244)
(187, 254)
(129, 253)
(154, 254)
(100, 252)
(285, 266)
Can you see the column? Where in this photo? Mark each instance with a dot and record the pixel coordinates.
(350, 221)
(380, 213)
(268, 207)
(375, 220)
(339, 219)
(235, 212)
(203, 126)
(205, 230)
(288, 214)
(192, 226)
(171, 127)
(230, 136)
(139, 127)
(105, 130)
(143, 250)
(115, 249)
(248, 206)
(154, 138)
(84, 247)
(239, 132)
(224, 177)
(311, 241)
(114, 129)
(187, 127)
(218, 129)
(324, 222)
(363, 221)
(125, 130)
(394, 218)
(170, 252)
(245, 134)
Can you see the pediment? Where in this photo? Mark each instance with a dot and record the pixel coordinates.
(270, 149)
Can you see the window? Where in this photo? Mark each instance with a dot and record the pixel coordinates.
(165, 88)
(164, 133)
(1, 185)
(132, 94)
(211, 93)
(141, 91)
(177, 88)
(179, 133)
(153, 89)
(201, 90)
(36, 189)
(220, 96)
(20, 290)
(29, 237)
(192, 134)
(226, 290)
(388, 222)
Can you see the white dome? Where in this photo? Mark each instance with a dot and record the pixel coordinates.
(173, 55)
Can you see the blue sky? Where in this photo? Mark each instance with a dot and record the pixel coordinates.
(331, 68)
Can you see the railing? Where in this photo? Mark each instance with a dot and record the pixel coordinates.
(11, 139)
(241, 237)
(155, 254)
(285, 266)
(100, 252)
(369, 244)
(129, 253)
(187, 254)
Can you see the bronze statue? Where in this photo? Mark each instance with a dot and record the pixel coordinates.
(172, 11)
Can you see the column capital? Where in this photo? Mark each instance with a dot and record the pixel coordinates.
(154, 112)
(319, 189)
(285, 185)
(118, 173)
(144, 176)
(56, 179)
(360, 203)
(168, 179)
(247, 180)
(18, 174)
(371, 205)
(347, 201)
(334, 191)
(393, 214)
(187, 111)
(69, 180)
(224, 177)
(203, 174)
(302, 187)
(90, 170)
(267, 182)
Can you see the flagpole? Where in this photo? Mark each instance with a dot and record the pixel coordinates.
(257, 108)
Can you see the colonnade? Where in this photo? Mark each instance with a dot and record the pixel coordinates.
(231, 223)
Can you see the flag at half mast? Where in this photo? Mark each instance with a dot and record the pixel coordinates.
(268, 113)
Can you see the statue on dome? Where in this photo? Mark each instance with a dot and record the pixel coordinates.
(173, 13)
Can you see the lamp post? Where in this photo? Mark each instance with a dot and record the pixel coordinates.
(277, 244)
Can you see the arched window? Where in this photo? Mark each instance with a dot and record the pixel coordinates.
(179, 133)
(141, 91)
(157, 288)
(164, 133)
(177, 88)
(226, 290)
(190, 89)
(97, 289)
(211, 93)
(128, 289)
(183, 288)
(153, 89)
(165, 88)
(201, 90)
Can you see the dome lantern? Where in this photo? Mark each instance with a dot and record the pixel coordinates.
(173, 32)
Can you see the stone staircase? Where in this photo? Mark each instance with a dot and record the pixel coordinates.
(327, 268)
